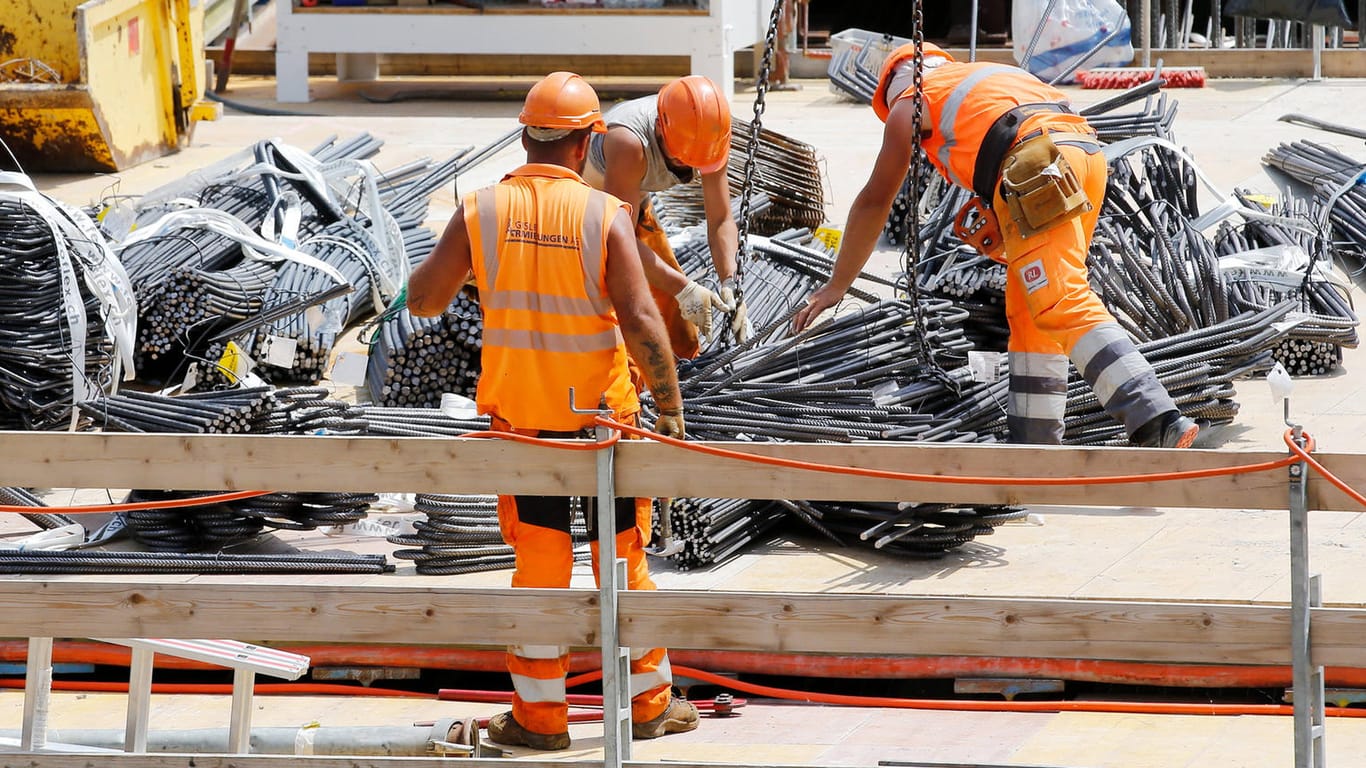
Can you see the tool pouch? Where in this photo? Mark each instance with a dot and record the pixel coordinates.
(1039, 187)
(976, 225)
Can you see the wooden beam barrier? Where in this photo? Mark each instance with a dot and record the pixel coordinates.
(646, 468)
(277, 609)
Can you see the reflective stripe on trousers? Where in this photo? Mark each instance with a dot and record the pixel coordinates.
(1038, 397)
(1053, 313)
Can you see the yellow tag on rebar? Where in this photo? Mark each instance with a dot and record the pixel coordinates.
(233, 362)
(830, 236)
(1264, 200)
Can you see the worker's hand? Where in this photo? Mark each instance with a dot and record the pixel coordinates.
(697, 303)
(739, 324)
(822, 299)
(670, 423)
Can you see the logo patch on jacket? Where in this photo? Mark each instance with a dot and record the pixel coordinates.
(1034, 276)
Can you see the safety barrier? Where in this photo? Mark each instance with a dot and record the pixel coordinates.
(366, 610)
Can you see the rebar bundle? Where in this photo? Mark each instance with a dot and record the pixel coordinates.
(188, 304)
(787, 172)
(39, 562)
(461, 535)
(43, 286)
(1265, 263)
(714, 530)
(1334, 180)
(228, 412)
(415, 360)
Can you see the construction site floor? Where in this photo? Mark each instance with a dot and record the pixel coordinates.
(1112, 550)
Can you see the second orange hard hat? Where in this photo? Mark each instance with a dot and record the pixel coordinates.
(889, 65)
(694, 122)
(563, 100)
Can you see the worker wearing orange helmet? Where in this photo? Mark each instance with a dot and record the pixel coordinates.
(653, 144)
(1037, 166)
(564, 301)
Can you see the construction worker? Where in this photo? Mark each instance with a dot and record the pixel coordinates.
(564, 301)
(1038, 171)
(655, 143)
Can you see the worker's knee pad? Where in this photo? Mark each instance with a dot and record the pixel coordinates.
(1039, 186)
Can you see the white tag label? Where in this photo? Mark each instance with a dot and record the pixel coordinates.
(1033, 276)
(350, 369)
(985, 366)
(279, 351)
(191, 377)
(314, 317)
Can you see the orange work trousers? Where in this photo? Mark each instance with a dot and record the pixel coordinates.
(538, 530)
(1054, 316)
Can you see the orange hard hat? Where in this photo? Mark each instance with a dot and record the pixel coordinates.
(694, 122)
(889, 66)
(563, 100)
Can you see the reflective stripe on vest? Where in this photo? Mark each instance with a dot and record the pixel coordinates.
(948, 119)
(546, 341)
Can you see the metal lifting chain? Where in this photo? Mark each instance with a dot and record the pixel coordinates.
(911, 257)
(755, 126)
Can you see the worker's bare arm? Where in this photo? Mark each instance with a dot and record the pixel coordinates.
(722, 235)
(641, 324)
(867, 214)
(437, 279)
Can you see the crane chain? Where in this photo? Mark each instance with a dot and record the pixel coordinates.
(755, 126)
(912, 255)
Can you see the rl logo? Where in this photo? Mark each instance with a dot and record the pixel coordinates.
(1033, 276)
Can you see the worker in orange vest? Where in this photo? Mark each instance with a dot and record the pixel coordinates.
(564, 301)
(655, 143)
(1039, 176)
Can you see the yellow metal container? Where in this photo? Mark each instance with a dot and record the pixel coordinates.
(100, 86)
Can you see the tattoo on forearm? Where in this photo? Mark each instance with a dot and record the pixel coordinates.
(661, 373)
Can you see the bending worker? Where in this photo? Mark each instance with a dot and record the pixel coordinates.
(564, 300)
(1002, 133)
(655, 143)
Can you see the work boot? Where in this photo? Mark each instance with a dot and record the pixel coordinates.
(504, 729)
(1170, 430)
(679, 717)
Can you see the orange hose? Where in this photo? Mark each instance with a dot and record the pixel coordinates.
(217, 689)
(1115, 707)
(883, 474)
(1322, 470)
(197, 501)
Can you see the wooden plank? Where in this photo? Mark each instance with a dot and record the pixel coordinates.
(1202, 633)
(226, 462)
(646, 468)
(275, 609)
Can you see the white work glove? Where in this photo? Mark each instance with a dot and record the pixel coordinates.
(670, 423)
(739, 325)
(697, 303)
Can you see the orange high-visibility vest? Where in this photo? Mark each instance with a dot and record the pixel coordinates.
(538, 240)
(963, 100)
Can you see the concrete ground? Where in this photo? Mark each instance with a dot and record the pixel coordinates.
(1106, 551)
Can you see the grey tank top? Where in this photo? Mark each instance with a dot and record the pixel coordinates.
(637, 116)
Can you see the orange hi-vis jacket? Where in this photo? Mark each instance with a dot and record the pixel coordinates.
(963, 100)
(538, 240)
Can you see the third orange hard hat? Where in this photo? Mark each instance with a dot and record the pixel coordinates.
(694, 121)
(563, 100)
(889, 66)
